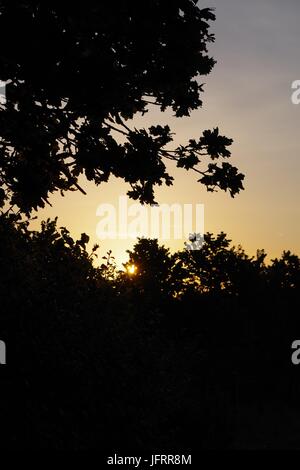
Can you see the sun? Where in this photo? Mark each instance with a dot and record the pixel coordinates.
(131, 269)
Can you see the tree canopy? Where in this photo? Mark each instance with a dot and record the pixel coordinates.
(102, 358)
(75, 78)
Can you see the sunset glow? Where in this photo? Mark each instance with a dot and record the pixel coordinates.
(131, 269)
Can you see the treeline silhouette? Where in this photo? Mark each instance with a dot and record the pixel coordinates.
(192, 351)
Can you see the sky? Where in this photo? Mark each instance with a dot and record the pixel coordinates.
(248, 96)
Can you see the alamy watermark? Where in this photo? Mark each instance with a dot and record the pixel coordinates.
(2, 92)
(296, 93)
(295, 358)
(195, 242)
(165, 221)
(2, 352)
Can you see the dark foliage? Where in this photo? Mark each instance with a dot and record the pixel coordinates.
(192, 351)
(77, 76)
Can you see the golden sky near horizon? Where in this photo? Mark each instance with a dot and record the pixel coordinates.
(248, 96)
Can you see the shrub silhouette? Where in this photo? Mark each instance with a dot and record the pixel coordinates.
(140, 361)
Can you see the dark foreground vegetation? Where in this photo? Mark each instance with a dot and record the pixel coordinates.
(191, 352)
